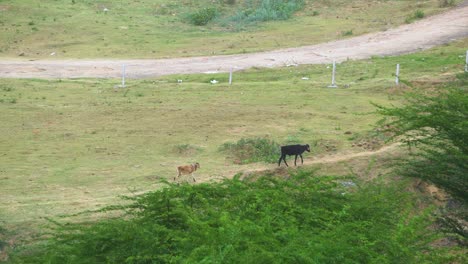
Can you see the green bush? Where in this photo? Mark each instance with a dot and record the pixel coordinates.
(304, 219)
(203, 16)
(347, 33)
(418, 14)
(438, 125)
(249, 150)
(266, 10)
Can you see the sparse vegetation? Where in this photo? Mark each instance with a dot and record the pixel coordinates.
(447, 3)
(186, 149)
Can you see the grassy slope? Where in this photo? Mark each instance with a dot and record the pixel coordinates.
(155, 29)
(73, 145)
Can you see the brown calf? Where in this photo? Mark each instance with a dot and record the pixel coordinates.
(187, 169)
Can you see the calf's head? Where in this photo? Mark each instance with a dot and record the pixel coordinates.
(307, 148)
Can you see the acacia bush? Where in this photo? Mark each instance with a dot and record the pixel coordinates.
(438, 125)
(303, 219)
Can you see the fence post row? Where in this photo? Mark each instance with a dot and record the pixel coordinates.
(333, 84)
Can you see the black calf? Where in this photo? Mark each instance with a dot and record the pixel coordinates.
(293, 150)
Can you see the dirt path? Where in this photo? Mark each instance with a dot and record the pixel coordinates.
(333, 158)
(424, 34)
(246, 170)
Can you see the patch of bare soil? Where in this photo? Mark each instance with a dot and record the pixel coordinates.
(4, 8)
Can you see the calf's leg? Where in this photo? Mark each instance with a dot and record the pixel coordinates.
(284, 158)
(178, 174)
(279, 161)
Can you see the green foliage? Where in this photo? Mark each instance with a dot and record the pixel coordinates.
(304, 219)
(3, 242)
(266, 10)
(203, 16)
(418, 14)
(438, 123)
(249, 150)
(347, 33)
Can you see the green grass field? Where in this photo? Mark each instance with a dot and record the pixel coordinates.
(157, 29)
(74, 145)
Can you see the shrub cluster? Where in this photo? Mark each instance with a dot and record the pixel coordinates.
(418, 14)
(248, 12)
(249, 150)
(266, 10)
(304, 219)
(203, 16)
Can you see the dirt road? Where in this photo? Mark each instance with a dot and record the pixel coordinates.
(424, 34)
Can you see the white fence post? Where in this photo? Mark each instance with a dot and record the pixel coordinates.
(230, 76)
(466, 62)
(397, 75)
(333, 85)
(123, 75)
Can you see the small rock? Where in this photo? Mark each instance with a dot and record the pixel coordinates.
(348, 133)
(21, 54)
